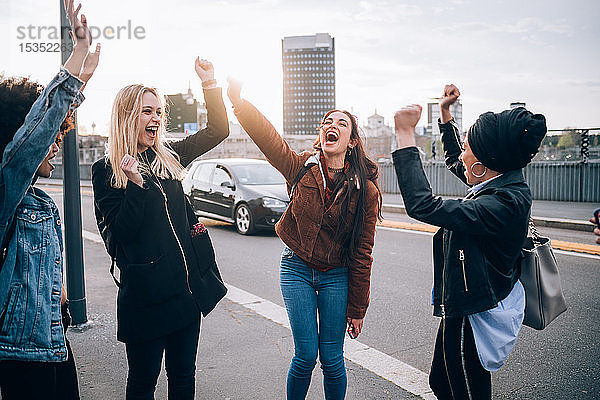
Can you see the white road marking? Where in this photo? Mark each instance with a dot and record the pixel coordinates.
(94, 237)
(572, 253)
(388, 228)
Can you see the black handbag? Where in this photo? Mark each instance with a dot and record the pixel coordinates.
(544, 299)
(204, 277)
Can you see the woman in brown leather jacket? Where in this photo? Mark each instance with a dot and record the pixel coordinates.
(328, 230)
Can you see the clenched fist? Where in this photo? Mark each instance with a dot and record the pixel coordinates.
(130, 165)
(234, 90)
(407, 118)
(204, 70)
(405, 121)
(449, 97)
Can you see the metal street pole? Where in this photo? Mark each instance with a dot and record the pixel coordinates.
(72, 202)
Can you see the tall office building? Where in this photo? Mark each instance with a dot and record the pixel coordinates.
(308, 82)
(433, 113)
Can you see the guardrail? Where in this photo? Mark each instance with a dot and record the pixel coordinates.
(556, 181)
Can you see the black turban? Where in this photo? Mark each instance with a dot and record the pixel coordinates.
(507, 140)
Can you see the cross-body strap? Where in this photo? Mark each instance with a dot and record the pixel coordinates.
(299, 176)
(535, 235)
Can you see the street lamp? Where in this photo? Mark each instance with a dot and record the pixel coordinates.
(72, 202)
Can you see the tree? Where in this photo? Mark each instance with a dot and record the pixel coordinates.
(568, 139)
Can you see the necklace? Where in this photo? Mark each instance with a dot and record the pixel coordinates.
(335, 170)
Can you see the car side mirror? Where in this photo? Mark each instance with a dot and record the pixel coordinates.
(228, 184)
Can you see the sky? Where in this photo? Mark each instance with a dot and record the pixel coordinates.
(388, 53)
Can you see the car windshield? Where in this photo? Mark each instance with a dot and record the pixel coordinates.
(258, 174)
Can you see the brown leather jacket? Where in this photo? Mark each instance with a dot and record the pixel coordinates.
(306, 227)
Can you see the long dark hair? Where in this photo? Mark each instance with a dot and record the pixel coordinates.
(363, 169)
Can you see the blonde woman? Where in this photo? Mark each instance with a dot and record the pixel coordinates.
(141, 212)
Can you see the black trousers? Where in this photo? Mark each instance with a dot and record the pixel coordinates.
(32, 380)
(456, 372)
(145, 358)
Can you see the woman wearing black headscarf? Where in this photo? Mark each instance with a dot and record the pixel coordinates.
(476, 287)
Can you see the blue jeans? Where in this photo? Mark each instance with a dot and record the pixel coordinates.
(306, 291)
(145, 358)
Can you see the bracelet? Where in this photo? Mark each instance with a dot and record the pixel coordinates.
(209, 83)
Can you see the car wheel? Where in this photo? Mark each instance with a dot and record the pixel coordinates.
(244, 221)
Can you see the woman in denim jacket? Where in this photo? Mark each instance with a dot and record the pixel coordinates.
(36, 360)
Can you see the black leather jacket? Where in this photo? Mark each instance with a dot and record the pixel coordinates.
(475, 252)
(149, 228)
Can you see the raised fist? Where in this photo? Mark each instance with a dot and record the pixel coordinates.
(406, 119)
(204, 69)
(234, 90)
(449, 97)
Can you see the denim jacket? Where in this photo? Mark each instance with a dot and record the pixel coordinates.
(31, 277)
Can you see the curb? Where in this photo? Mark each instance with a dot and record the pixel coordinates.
(563, 223)
(548, 222)
(556, 244)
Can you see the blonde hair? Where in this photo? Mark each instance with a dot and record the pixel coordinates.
(124, 132)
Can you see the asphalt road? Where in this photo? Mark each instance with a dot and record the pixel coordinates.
(245, 356)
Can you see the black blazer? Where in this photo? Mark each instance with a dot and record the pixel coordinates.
(475, 253)
(155, 297)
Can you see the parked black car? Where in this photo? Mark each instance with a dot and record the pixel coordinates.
(248, 193)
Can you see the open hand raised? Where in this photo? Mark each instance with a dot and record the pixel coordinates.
(82, 39)
(80, 33)
(90, 64)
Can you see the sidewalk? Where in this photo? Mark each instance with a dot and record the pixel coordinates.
(551, 214)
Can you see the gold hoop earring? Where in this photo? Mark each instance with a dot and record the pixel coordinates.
(476, 175)
(349, 152)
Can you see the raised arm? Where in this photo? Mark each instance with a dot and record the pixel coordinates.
(485, 215)
(450, 134)
(217, 128)
(30, 143)
(262, 132)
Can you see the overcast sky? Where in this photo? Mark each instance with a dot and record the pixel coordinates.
(388, 53)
